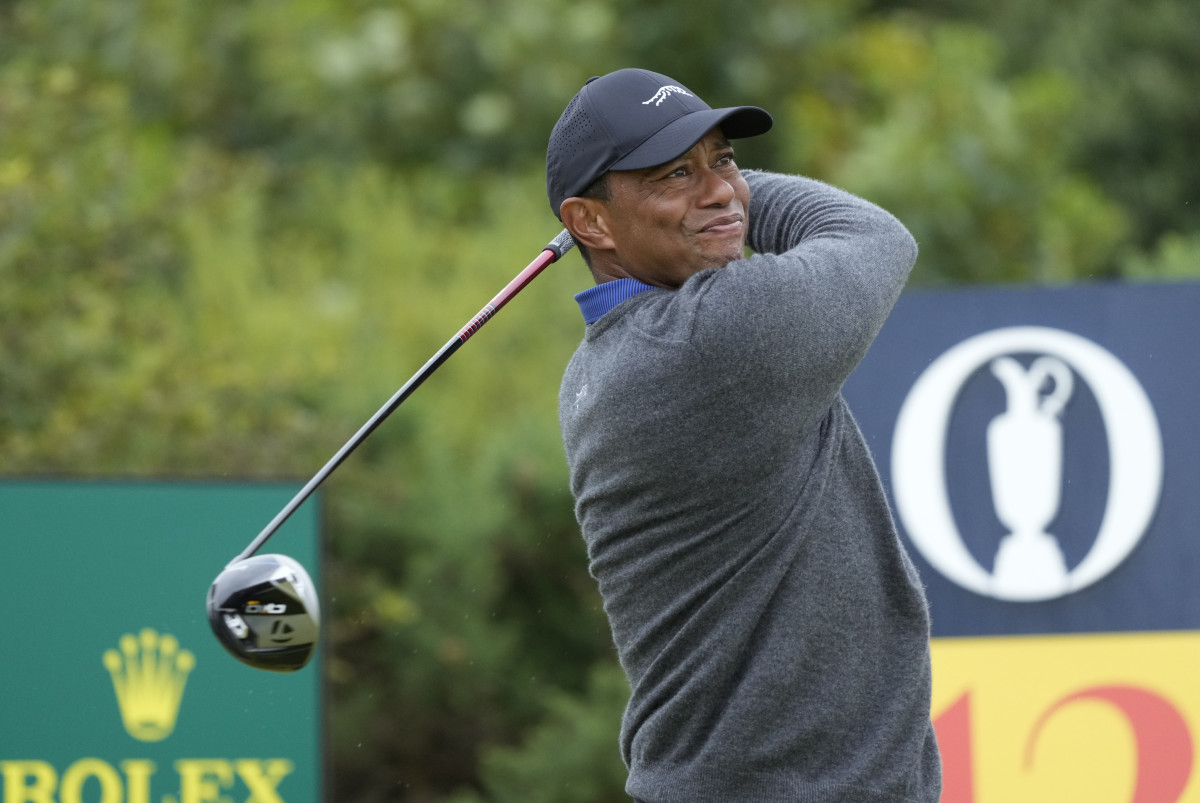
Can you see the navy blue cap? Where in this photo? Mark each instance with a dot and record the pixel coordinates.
(632, 119)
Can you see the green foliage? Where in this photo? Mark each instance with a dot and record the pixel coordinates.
(1176, 257)
(1136, 67)
(229, 231)
(914, 116)
(570, 757)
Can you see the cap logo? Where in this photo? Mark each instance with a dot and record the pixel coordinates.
(663, 93)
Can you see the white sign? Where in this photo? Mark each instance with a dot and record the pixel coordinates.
(1025, 461)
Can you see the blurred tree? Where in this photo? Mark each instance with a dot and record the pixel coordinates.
(1136, 122)
(913, 115)
(568, 758)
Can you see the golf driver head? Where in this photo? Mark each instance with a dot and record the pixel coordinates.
(264, 611)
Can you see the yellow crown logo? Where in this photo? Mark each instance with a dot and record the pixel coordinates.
(149, 674)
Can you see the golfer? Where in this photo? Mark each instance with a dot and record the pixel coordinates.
(773, 630)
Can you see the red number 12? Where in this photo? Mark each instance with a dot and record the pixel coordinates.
(1163, 742)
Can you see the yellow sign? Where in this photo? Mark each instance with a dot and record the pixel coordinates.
(198, 780)
(148, 675)
(1096, 718)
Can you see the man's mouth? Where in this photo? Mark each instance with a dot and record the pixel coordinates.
(727, 224)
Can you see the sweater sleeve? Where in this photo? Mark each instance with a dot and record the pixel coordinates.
(805, 216)
(803, 310)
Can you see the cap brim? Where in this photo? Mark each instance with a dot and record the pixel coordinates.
(678, 136)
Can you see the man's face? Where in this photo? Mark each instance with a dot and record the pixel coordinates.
(671, 221)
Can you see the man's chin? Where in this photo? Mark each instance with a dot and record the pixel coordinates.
(723, 257)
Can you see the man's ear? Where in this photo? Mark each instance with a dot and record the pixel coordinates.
(587, 220)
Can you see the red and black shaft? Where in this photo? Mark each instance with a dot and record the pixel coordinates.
(551, 253)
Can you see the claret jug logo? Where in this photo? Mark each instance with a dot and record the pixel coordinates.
(1038, 370)
(149, 673)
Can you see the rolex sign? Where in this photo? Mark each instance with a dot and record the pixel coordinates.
(112, 687)
(1042, 452)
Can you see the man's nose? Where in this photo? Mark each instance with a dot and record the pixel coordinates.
(717, 191)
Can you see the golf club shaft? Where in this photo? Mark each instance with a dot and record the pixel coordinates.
(551, 253)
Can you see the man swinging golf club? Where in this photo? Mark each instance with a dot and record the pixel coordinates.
(773, 630)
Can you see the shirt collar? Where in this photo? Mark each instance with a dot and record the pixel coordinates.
(595, 301)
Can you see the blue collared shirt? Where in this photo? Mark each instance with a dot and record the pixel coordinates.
(595, 301)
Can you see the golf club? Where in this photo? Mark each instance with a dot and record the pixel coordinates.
(263, 609)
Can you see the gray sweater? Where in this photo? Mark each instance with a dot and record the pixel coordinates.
(773, 630)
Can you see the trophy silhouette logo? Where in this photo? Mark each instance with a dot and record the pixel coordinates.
(1025, 464)
(1024, 460)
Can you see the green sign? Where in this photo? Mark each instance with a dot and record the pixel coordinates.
(113, 689)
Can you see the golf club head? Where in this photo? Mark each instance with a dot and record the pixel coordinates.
(264, 611)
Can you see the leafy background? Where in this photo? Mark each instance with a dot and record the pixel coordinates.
(229, 230)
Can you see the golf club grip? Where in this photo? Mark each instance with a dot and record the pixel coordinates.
(551, 253)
